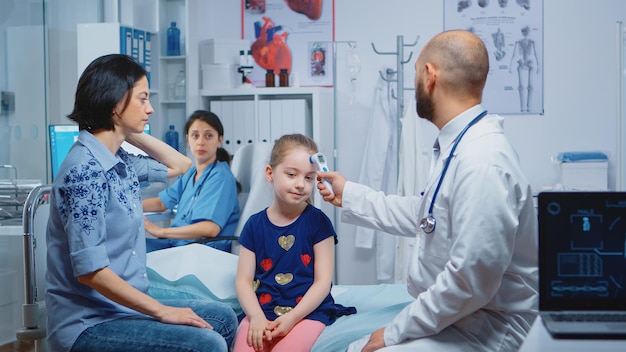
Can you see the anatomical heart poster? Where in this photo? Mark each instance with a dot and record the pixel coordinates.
(292, 35)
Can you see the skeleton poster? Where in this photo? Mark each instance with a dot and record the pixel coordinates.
(512, 31)
(292, 35)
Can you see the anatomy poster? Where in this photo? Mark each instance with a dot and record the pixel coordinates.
(513, 33)
(295, 35)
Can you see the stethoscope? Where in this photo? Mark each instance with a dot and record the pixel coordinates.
(187, 215)
(429, 223)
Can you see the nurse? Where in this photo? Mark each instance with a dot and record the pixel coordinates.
(474, 270)
(205, 196)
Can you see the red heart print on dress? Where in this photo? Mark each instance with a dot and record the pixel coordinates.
(264, 298)
(306, 259)
(266, 264)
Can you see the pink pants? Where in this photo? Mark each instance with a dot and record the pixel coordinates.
(300, 338)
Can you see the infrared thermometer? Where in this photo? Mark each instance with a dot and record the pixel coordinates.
(319, 159)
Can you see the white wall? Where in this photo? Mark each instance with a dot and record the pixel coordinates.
(579, 82)
(580, 79)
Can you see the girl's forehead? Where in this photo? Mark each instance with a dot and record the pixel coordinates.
(297, 156)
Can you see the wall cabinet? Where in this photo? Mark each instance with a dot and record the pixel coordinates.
(142, 33)
(172, 106)
(264, 114)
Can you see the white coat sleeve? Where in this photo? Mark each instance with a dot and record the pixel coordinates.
(393, 214)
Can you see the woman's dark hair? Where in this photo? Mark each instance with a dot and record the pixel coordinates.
(103, 84)
(223, 155)
(207, 117)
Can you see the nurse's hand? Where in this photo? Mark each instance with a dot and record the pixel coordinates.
(152, 229)
(376, 342)
(338, 182)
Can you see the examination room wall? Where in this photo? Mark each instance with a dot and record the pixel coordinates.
(580, 85)
(580, 89)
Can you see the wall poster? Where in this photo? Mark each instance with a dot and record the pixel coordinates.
(296, 35)
(513, 33)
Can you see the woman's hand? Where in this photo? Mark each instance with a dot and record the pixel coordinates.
(181, 316)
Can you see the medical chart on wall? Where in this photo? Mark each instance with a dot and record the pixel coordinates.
(295, 35)
(513, 33)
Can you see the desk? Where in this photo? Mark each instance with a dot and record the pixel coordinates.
(539, 340)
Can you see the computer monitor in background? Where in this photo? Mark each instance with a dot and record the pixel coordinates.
(62, 137)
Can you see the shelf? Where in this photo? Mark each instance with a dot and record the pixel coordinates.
(173, 58)
(264, 91)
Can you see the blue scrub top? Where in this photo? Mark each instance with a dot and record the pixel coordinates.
(213, 197)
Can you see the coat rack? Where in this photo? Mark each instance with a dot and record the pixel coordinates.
(399, 92)
(400, 61)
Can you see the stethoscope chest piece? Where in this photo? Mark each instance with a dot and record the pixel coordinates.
(428, 224)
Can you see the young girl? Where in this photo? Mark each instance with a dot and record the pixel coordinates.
(286, 260)
(206, 195)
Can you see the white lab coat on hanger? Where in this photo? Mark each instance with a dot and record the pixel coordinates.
(379, 171)
(416, 140)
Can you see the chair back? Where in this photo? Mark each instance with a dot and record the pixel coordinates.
(248, 166)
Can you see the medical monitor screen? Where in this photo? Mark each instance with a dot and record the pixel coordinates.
(62, 137)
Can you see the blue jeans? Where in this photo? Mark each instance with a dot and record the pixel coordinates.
(143, 333)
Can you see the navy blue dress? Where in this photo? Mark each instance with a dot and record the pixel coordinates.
(285, 261)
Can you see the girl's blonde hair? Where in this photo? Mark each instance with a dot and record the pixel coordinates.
(288, 142)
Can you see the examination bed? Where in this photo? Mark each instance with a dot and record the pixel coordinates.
(198, 271)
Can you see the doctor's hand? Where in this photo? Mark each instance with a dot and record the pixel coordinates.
(376, 342)
(338, 182)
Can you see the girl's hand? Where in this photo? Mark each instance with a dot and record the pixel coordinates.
(282, 325)
(258, 335)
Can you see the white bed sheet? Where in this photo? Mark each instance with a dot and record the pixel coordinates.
(201, 272)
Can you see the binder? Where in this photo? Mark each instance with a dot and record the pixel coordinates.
(126, 40)
(249, 126)
(264, 134)
(147, 51)
(276, 120)
(238, 124)
(302, 122)
(229, 142)
(137, 48)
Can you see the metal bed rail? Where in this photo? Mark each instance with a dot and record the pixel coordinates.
(31, 331)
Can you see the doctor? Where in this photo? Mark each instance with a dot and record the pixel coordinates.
(474, 270)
